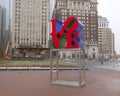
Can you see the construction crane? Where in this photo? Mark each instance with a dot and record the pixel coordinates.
(7, 55)
(9, 43)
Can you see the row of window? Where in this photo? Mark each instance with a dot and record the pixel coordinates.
(103, 25)
(29, 40)
(27, 43)
(30, 17)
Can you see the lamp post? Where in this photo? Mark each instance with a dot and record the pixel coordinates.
(87, 46)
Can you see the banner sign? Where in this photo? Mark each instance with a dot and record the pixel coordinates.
(68, 34)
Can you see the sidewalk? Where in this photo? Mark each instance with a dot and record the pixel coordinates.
(37, 83)
(110, 65)
(35, 68)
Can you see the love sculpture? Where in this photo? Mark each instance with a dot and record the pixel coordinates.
(67, 38)
(67, 34)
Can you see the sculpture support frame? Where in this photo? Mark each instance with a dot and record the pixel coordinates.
(54, 71)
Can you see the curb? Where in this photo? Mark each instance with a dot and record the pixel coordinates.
(35, 68)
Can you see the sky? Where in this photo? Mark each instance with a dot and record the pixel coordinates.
(108, 9)
(4, 2)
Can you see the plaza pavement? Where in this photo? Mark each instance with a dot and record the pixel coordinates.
(100, 81)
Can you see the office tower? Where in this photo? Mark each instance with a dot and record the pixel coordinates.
(3, 30)
(1, 45)
(105, 37)
(30, 26)
(86, 12)
(51, 4)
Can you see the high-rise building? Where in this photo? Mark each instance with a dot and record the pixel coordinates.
(1, 45)
(51, 5)
(86, 12)
(30, 24)
(105, 37)
(3, 30)
(1, 12)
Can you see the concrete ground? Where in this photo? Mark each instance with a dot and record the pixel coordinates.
(99, 82)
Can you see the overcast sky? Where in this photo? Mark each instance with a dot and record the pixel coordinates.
(108, 9)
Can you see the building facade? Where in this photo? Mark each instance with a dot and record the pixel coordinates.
(51, 5)
(4, 36)
(1, 15)
(86, 12)
(113, 44)
(1, 45)
(30, 26)
(105, 38)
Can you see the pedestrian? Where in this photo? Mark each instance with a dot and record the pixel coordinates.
(101, 60)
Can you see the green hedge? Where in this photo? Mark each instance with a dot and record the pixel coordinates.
(31, 64)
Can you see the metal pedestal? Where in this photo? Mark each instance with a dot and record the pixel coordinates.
(77, 65)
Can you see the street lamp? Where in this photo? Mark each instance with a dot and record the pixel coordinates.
(87, 47)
